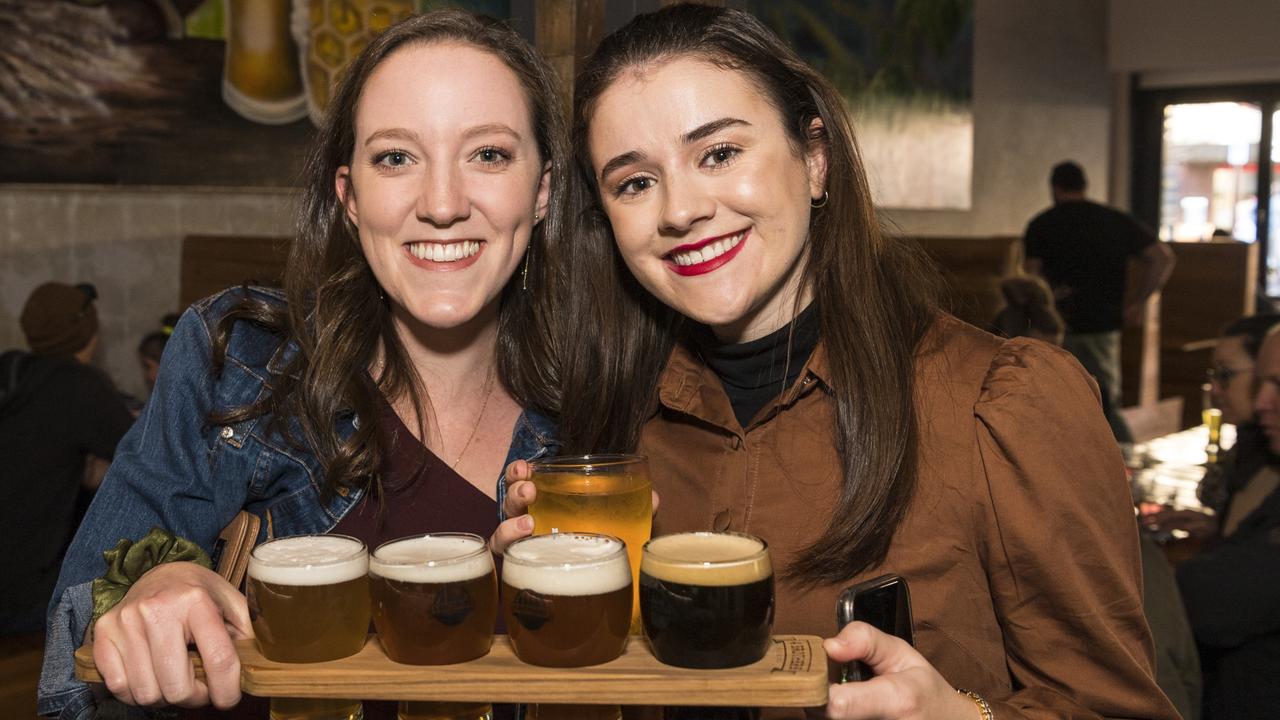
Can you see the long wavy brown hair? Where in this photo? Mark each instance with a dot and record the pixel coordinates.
(876, 293)
(336, 318)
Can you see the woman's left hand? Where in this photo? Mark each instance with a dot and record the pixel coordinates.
(905, 685)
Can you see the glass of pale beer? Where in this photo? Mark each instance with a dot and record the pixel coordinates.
(707, 599)
(309, 602)
(608, 494)
(435, 602)
(566, 598)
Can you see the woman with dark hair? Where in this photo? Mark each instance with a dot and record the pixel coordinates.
(740, 316)
(379, 395)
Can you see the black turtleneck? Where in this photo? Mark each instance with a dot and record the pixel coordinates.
(755, 372)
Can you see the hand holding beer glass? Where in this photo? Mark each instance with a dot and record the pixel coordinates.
(608, 494)
(309, 602)
(435, 601)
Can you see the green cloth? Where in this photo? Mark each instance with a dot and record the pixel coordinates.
(130, 560)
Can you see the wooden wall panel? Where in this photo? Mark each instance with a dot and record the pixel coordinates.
(215, 262)
(1212, 285)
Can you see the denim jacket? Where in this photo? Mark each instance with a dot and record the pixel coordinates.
(175, 470)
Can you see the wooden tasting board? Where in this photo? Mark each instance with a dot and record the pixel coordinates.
(792, 674)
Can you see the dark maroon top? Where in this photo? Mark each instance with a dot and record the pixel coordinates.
(419, 494)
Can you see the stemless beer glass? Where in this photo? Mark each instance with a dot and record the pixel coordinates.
(309, 602)
(707, 599)
(435, 601)
(608, 494)
(567, 598)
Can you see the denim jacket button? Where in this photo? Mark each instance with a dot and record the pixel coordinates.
(227, 432)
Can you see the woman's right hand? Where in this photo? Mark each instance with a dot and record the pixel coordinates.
(140, 645)
(520, 495)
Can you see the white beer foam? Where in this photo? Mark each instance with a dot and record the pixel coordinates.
(431, 559)
(707, 559)
(309, 560)
(567, 564)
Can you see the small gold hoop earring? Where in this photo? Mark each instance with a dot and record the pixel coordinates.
(820, 202)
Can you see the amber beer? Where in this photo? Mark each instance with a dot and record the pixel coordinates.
(609, 494)
(435, 602)
(309, 602)
(435, 598)
(566, 598)
(707, 599)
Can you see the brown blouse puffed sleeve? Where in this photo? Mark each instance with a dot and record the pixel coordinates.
(1060, 544)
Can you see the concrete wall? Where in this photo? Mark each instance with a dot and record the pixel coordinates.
(1162, 35)
(1040, 95)
(127, 242)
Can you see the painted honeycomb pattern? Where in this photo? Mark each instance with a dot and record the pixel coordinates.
(339, 30)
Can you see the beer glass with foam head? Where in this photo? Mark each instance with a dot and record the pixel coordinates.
(567, 598)
(608, 494)
(309, 602)
(707, 599)
(435, 602)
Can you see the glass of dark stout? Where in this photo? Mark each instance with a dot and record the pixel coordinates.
(706, 599)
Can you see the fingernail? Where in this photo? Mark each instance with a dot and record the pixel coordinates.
(526, 523)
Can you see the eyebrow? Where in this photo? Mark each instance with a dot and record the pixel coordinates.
(701, 132)
(492, 129)
(403, 134)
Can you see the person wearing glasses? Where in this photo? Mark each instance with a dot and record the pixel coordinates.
(1233, 389)
(1230, 588)
(60, 420)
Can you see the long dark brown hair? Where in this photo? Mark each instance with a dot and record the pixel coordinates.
(876, 294)
(336, 316)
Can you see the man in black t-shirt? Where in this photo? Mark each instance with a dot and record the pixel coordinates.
(1082, 249)
(60, 420)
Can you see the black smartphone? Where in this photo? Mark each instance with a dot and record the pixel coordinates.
(885, 604)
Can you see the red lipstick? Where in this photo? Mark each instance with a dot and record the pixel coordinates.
(706, 266)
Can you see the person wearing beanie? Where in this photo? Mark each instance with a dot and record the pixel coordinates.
(60, 420)
(61, 319)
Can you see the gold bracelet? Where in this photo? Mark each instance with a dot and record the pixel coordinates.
(983, 707)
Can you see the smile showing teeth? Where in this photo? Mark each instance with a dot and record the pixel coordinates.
(708, 252)
(444, 252)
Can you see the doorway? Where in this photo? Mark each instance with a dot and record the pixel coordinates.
(1207, 163)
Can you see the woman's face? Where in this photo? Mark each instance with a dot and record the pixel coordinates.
(444, 181)
(708, 199)
(1234, 396)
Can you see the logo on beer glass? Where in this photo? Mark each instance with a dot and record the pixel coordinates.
(567, 598)
(706, 599)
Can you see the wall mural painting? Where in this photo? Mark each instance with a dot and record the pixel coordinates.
(905, 68)
(176, 92)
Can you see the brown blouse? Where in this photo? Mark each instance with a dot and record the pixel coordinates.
(1020, 546)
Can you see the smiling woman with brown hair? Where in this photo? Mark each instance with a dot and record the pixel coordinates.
(378, 396)
(742, 319)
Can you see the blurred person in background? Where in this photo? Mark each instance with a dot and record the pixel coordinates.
(1082, 249)
(152, 348)
(60, 420)
(1028, 310)
(1230, 588)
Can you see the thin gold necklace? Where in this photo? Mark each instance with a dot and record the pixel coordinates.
(488, 383)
